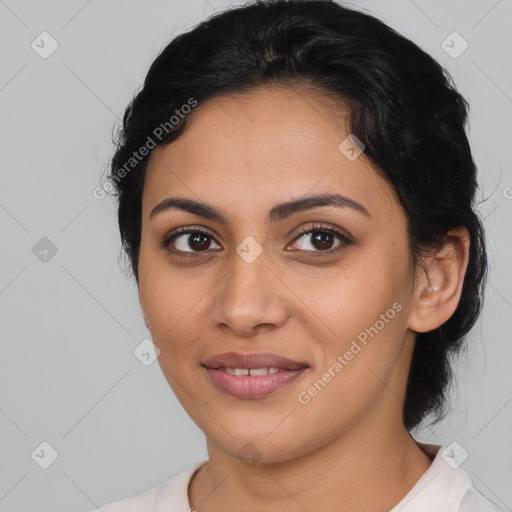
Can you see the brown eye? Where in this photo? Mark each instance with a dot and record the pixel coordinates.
(320, 239)
(189, 241)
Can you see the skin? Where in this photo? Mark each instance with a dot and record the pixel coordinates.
(347, 448)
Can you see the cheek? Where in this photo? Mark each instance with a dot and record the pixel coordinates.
(171, 301)
(364, 307)
(356, 366)
(351, 296)
(165, 290)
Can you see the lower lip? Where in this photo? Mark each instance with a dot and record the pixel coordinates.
(247, 386)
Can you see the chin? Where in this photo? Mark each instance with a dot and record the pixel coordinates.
(258, 446)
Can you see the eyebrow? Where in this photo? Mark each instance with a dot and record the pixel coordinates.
(276, 214)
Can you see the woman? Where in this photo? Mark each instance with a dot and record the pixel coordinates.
(296, 197)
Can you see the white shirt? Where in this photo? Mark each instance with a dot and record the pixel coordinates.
(440, 489)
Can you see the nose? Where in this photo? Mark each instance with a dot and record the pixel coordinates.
(249, 298)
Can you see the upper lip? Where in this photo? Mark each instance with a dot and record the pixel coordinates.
(260, 360)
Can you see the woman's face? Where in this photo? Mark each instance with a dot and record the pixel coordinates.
(253, 283)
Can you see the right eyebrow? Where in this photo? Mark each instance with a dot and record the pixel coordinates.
(277, 213)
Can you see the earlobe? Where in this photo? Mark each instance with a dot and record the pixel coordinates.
(440, 276)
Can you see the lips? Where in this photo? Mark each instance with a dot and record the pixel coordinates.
(260, 360)
(250, 376)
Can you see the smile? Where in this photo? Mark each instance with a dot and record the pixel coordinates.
(250, 383)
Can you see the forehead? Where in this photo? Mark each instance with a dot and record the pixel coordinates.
(259, 148)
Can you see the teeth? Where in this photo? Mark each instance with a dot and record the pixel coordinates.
(258, 371)
(251, 371)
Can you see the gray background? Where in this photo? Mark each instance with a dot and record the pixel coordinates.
(70, 324)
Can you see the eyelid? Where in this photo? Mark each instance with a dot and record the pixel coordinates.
(186, 230)
(320, 226)
(343, 235)
(345, 240)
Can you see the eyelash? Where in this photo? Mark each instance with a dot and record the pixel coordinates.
(192, 230)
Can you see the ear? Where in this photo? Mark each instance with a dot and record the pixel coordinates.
(439, 279)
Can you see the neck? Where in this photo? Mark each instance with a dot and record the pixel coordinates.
(370, 467)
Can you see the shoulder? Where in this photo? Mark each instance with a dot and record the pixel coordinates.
(474, 501)
(444, 486)
(170, 496)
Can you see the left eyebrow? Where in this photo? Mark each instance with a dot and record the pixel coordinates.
(276, 214)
